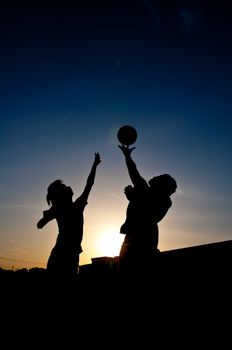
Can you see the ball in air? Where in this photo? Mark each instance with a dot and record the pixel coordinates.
(127, 135)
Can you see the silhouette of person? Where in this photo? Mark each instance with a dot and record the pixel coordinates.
(69, 214)
(148, 203)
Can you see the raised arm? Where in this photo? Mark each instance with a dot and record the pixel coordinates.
(91, 177)
(134, 174)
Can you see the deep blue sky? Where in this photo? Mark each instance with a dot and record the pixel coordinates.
(72, 74)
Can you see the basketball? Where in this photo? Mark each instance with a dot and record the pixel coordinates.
(127, 135)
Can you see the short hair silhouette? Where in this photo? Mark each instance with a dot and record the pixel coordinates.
(164, 183)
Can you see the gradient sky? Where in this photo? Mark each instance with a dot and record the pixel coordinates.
(71, 75)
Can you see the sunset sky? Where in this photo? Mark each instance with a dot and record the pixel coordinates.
(71, 75)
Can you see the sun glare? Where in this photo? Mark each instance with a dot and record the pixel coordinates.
(109, 242)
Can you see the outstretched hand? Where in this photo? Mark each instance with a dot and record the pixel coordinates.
(129, 192)
(126, 150)
(41, 223)
(97, 159)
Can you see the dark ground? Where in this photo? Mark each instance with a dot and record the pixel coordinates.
(185, 303)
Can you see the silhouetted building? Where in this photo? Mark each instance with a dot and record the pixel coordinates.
(101, 266)
(202, 260)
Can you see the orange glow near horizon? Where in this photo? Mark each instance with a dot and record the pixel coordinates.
(109, 242)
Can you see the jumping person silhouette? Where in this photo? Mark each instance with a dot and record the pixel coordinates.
(148, 203)
(69, 214)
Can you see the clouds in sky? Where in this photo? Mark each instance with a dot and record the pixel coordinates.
(189, 16)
